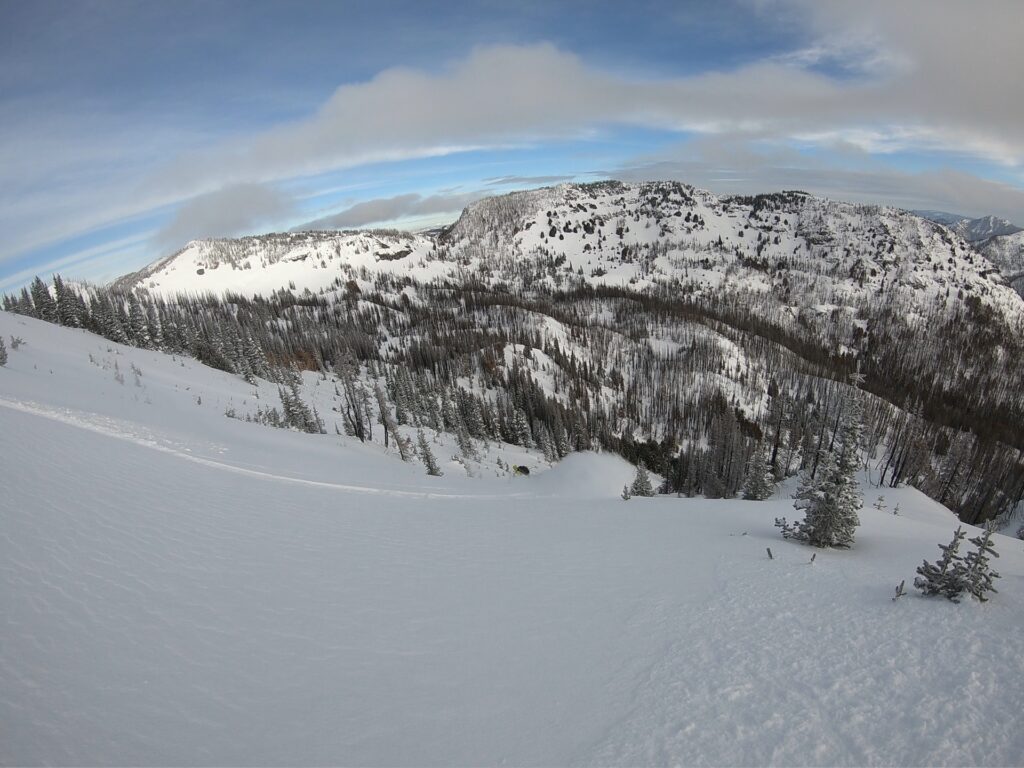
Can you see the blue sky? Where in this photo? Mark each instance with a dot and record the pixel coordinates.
(128, 128)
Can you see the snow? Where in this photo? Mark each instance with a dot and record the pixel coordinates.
(177, 587)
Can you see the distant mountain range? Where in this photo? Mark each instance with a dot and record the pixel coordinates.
(999, 240)
(972, 230)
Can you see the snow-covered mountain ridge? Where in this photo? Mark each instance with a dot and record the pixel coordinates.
(1007, 253)
(613, 234)
(985, 227)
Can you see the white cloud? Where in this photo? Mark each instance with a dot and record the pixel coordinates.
(390, 209)
(228, 211)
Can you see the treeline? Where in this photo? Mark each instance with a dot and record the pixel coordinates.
(692, 389)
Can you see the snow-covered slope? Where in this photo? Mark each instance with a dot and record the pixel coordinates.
(1007, 253)
(178, 587)
(311, 261)
(980, 229)
(972, 230)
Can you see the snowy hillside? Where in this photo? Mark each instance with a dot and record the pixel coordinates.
(972, 230)
(179, 587)
(262, 265)
(1007, 253)
(978, 230)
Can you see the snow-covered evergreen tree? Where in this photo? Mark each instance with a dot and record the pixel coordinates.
(45, 306)
(521, 429)
(427, 456)
(3, 352)
(296, 413)
(946, 576)
(760, 483)
(641, 483)
(978, 574)
(831, 497)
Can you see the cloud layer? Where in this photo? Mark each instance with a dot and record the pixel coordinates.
(939, 78)
(387, 209)
(226, 212)
(920, 83)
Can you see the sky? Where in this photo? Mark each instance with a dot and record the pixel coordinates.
(129, 128)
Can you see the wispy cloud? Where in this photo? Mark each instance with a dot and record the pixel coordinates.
(503, 181)
(390, 209)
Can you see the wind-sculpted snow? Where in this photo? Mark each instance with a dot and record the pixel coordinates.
(182, 588)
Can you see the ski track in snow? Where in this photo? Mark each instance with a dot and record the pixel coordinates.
(139, 435)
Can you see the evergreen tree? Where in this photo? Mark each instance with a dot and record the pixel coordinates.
(945, 577)
(45, 306)
(427, 456)
(641, 483)
(68, 307)
(760, 483)
(3, 352)
(831, 497)
(296, 413)
(138, 325)
(521, 429)
(978, 575)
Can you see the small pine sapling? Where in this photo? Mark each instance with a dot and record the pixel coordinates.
(879, 503)
(947, 576)
(979, 575)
